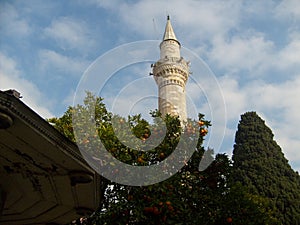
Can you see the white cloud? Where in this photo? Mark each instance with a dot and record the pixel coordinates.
(196, 19)
(50, 60)
(277, 104)
(12, 23)
(288, 58)
(288, 9)
(259, 8)
(281, 99)
(70, 33)
(250, 52)
(10, 78)
(235, 100)
(107, 4)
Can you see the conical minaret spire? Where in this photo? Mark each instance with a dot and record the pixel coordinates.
(171, 72)
(169, 32)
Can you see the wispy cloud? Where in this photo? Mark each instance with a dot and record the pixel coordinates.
(288, 58)
(242, 52)
(70, 33)
(195, 20)
(12, 23)
(288, 9)
(51, 60)
(10, 78)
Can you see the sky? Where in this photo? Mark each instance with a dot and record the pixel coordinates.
(248, 55)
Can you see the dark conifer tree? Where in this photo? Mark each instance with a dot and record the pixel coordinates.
(260, 165)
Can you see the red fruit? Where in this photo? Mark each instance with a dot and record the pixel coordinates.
(155, 210)
(170, 208)
(168, 203)
(229, 220)
(148, 209)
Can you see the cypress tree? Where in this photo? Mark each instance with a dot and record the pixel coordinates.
(260, 165)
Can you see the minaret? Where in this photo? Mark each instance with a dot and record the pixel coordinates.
(171, 72)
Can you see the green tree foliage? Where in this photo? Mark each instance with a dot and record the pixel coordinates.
(260, 165)
(190, 196)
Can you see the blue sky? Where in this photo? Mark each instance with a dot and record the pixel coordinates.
(251, 47)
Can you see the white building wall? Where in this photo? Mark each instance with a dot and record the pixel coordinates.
(172, 101)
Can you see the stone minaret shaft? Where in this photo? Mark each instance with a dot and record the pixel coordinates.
(171, 73)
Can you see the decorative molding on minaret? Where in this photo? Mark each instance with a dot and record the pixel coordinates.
(171, 73)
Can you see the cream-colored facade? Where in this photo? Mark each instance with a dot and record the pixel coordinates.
(171, 73)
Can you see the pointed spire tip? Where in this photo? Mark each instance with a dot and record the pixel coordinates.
(169, 32)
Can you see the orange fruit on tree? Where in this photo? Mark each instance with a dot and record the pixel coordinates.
(148, 209)
(155, 210)
(201, 123)
(229, 220)
(203, 131)
(140, 160)
(168, 203)
(162, 155)
(170, 208)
